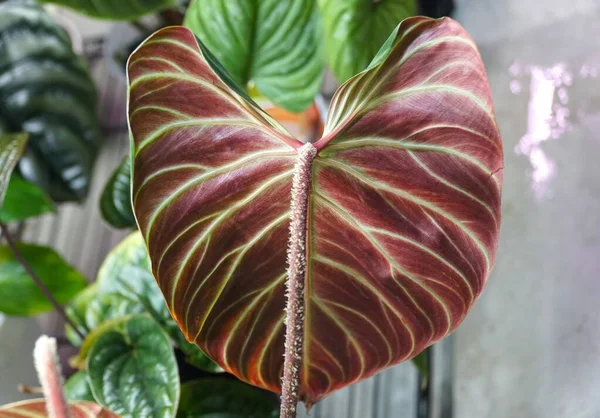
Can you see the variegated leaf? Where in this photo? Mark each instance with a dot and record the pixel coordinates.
(37, 409)
(403, 216)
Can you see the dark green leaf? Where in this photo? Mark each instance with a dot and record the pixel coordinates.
(24, 200)
(274, 45)
(115, 202)
(77, 388)
(193, 354)
(18, 293)
(133, 371)
(356, 29)
(225, 398)
(11, 149)
(46, 91)
(115, 9)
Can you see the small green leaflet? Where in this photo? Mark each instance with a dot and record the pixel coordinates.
(77, 388)
(133, 371)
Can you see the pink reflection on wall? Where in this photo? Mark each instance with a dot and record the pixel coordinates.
(547, 117)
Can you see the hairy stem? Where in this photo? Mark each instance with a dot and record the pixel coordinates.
(294, 321)
(47, 366)
(15, 250)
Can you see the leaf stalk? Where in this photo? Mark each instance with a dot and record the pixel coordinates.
(294, 320)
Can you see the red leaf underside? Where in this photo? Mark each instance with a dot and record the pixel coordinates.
(403, 210)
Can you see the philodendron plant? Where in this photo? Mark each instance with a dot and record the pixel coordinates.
(323, 262)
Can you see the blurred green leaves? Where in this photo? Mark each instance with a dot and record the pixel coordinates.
(19, 295)
(115, 202)
(115, 9)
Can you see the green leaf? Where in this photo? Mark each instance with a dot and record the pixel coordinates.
(47, 91)
(355, 30)
(89, 309)
(115, 9)
(24, 200)
(133, 371)
(18, 293)
(274, 45)
(225, 398)
(421, 362)
(77, 388)
(11, 149)
(115, 202)
(126, 273)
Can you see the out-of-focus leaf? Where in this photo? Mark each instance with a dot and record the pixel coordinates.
(24, 200)
(132, 370)
(77, 388)
(115, 9)
(274, 45)
(115, 202)
(356, 29)
(18, 293)
(11, 149)
(89, 309)
(46, 91)
(225, 398)
(403, 208)
(36, 408)
(421, 362)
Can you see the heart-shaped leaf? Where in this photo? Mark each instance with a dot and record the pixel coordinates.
(24, 200)
(11, 149)
(402, 212)
(115, 202)
(115, 9)
(46, 91)
(356, 29)
(274, 45)
(132, 369)
(37, 409)
(225, 398)
(77, 388)
(20, 295)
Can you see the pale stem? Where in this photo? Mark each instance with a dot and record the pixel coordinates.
(47, 365)
(294, 320)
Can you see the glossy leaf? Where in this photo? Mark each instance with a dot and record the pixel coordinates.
(133, 371)
(356, 29)
(115, 202)
(77, 388)
(11, 149)
(274, 45)
(37, 409)
(24, 200)
(115, 9)
(225, 398)
(403, 216)
(18, 293)
(46, 91)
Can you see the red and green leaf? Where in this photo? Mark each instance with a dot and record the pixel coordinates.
(403, 216)
(37, 409)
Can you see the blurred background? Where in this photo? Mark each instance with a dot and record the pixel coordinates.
(531, 346)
